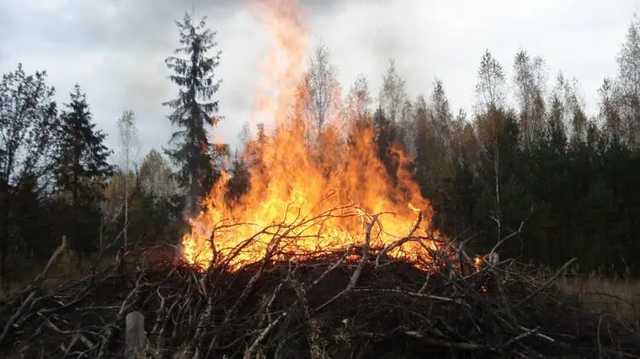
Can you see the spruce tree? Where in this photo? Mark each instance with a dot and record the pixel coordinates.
(193, 68)
(81, 166)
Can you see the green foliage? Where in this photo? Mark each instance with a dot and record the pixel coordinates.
(571, 180)
(154, 204)
(81, 167)
(385, 130)
(194, 73)
(28, 123)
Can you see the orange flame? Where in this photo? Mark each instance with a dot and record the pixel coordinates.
(307, 196)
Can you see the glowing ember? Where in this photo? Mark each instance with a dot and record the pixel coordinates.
(308, 195)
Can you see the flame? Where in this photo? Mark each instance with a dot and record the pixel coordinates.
(307, 196)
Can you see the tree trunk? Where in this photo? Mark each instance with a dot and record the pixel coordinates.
(496, 169)
(4, 194)
(126, 200)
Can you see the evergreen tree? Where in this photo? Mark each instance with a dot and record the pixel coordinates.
(27, 122)
(81, 166)
(421, 138)
(556, 133)
(193, 69)
(441, 113)
(609, 111)
(240, 180)
(385, 137)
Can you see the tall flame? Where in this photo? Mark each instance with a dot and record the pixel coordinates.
(307, 196)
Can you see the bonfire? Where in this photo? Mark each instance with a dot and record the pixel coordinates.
(329, 254)
(312, 191)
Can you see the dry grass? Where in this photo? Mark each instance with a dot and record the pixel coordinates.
(68, 267)
(617, 296)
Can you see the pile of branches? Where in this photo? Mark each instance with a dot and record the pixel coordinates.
(354, 303)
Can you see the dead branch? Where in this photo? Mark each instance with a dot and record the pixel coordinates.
(399, 242)
(284, 303)
(356, 274)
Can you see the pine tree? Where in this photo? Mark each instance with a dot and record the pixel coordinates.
(422, 137)
(556, 133)
(81, 164)
(441, 113)
(194, 73)
(385, 137)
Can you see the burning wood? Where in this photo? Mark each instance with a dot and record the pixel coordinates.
(357, 301)
(319, 186)
(329, 253)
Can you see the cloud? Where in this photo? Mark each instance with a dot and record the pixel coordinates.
(115, 49)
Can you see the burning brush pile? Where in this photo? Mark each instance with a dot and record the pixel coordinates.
(355, 302)
(328, 254)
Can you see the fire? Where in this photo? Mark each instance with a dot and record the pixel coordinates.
(308, 196)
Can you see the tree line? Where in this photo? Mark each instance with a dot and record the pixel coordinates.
(528, 163)
(527, 159)
(537, 165)
(59, 179)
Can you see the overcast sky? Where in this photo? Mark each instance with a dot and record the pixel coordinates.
(115, 49)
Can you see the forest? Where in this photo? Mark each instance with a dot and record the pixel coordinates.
(565, 175)
(529, 169)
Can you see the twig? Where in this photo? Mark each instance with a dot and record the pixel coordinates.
(547, 283)
(356, 274)
(54, 257)
(399, 242)
(249, 352)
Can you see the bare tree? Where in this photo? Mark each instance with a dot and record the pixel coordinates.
(128, 144)
(629, 82)
(574, 118)
(322, 89)
(491, 96)
(156, 179)
(529, 81)
(393, 95)
(358, 101)
(609, 110)
(491, 82)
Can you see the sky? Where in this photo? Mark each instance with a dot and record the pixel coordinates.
(115, 49)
